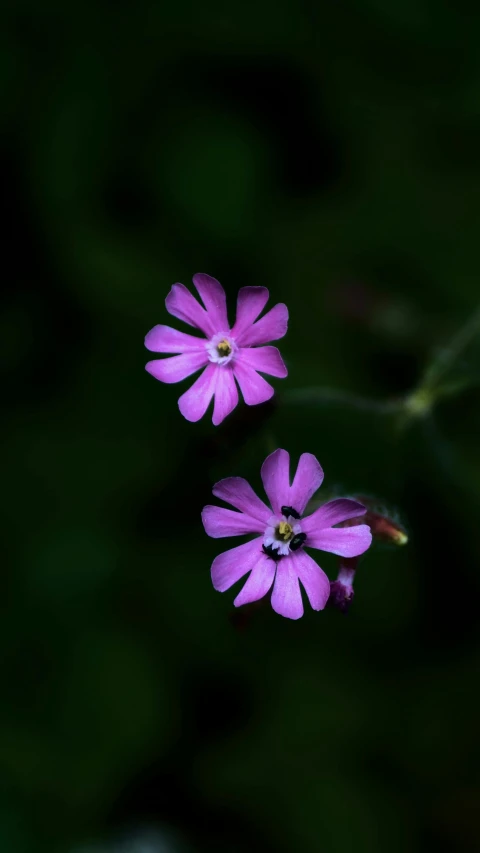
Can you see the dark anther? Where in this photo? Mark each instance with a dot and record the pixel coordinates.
(289, 510)
(270, 551)
(297, 540)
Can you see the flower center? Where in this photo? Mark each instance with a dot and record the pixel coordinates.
(221, 348)
(283, 534)
(224, 347)
(284, 531)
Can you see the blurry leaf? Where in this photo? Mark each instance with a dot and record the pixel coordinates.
(114, 699)
(14, 833)
(70, 565)
(215, 169)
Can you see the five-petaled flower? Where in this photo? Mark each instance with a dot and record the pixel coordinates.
(277, 556)
(227, 354)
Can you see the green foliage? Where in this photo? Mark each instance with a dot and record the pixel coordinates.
(329, 152)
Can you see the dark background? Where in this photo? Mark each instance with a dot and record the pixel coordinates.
(331, 152)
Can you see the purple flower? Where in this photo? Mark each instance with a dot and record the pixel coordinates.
(227, 354)
(277, 556)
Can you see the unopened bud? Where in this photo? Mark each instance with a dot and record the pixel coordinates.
(383, 527)
(341, 590)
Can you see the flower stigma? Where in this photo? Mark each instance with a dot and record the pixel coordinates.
(224, 348)
(284, 531)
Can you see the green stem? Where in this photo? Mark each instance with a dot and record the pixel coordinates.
(309, 396)
(418, 402)
(447, 357)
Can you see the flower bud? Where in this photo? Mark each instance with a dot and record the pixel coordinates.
(383, 527)
(341, 590)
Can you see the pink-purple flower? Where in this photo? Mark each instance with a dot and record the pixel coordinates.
(226, 355)
(276, 557)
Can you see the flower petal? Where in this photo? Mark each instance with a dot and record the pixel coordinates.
(259, 582)
(226, 394)
(255, 388)
(286, 595)
(313, 579)
(276, 479)
(165, 339)
(214, 299)
(344, 541)
(194, 403)
(237, 492)
(333, 512)
(308, 478)
(265, 359)
(181, 304)
(219, 522)
(250, 302)
(271, 327)
(177, 367)
(232, 565)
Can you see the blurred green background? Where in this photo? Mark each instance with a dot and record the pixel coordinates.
(331, 152)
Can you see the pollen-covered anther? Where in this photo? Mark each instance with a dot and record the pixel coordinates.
(221, 349)
(284, 531)
(224, 348)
